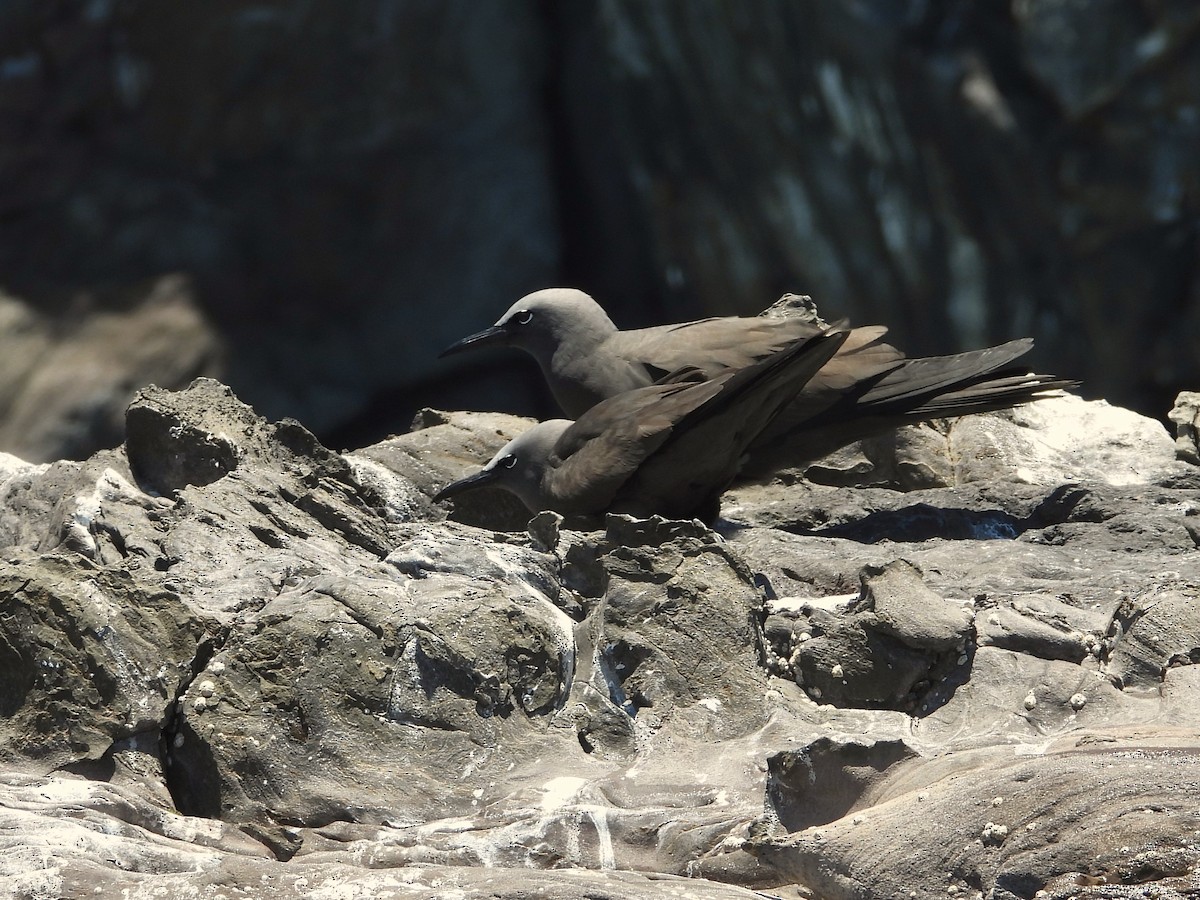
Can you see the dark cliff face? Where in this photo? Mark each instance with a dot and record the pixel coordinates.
(347, 188)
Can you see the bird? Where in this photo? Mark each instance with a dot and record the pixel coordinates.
(669, 448)
(586, 359)
(867, 388)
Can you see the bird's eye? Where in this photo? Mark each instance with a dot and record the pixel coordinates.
(508, 462)
(524, 317)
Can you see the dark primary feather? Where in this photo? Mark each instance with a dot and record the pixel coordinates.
(916, 390)
(707, 446)
(709, 345)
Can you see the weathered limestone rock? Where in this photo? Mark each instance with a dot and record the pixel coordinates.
(886, 649)
(1043, 626)
(824, 780)
(1048, 442)
(1186, 416)
(908, 458)
(906, 610)
(90, 660)
(1105, 808)
(1158, 632)
(230, 655)
(1041, 443)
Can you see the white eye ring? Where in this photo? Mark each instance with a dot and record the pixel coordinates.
(524, 317)
(508, 462)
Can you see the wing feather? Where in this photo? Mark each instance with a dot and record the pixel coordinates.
(596, 457)
(710, 345)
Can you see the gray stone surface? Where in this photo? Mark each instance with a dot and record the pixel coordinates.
(442, 447)
(235, 660)
(1107, 807)
(1185, 414)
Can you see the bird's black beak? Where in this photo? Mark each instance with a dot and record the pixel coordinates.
(480, 479)
(494, 336)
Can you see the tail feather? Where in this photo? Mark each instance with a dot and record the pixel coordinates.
(914, 378)
(996, 393)
(912, 391)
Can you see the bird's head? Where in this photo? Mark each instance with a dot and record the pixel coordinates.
(518, 467)
(541, 322)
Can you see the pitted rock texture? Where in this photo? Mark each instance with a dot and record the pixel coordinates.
(1185, 414)
(232, 657)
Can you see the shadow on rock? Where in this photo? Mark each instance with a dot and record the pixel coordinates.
(827, 778)
(923, 522)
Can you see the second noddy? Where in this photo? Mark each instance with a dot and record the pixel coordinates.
(669, 449)
(867, 388)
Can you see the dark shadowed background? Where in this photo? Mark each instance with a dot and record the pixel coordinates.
(310, 199)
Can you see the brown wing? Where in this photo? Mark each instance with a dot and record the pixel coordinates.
(704, 450)
(597, 455)
(709, 345)
(860, 363)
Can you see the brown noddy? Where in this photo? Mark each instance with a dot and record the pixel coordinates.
(669, 448)
(586, 359)
(867, 388)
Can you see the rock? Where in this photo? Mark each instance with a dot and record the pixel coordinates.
(898, 639)
(230, 655)
(1186, 416)
(1158, 632)
(91, 660)
(363, 674)
(445, 446)
(175, 441)
(122, 844)
(1058, 814)
(1043, 626)
(823, 781)
(911, 613)
(1131, 483)
(907, 458)
(66, 379)
(1045, 443)
(1146, 516)
(1041, 443)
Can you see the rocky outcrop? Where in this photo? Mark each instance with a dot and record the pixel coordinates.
(66, 377)
(233, 657)
(1185, 415)
(1086, 815)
